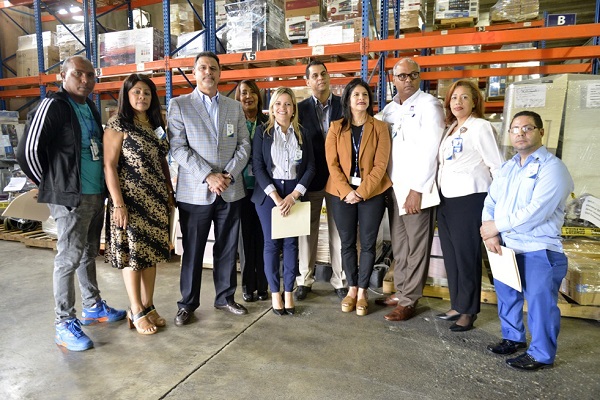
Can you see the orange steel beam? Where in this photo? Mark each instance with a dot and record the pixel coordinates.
(488, 37)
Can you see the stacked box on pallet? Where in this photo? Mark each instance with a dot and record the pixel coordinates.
(339, 10)
(70, 39)
(582, 282)
(514, 10)
(301, 16)
(412, 15)
(194, 43)
(183, 17)
(130, 47)
(255, 25)
(450, 9)
(27, 54)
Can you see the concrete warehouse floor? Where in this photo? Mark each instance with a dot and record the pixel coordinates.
(319, 353)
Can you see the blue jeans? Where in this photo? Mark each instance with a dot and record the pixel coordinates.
(78, 245)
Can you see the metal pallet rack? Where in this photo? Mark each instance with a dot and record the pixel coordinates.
(343, 56)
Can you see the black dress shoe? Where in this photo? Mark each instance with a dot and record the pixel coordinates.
(248, 297)
(526, 363)
(301, 292)
(263, 296)
(341, 292)
(506, 347)
(233, 308)
(463, 328)
(290, 311)
(183, 317)
(446, 317)
(278, 311)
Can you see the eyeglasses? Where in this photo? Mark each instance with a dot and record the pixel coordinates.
(525, 129)
(413, 76)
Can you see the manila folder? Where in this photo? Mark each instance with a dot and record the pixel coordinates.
(504, 268)
(296, 223)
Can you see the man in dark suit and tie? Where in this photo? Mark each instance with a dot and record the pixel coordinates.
(315, 114)
(209, 141)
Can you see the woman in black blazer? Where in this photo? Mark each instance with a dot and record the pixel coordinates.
(283, 166)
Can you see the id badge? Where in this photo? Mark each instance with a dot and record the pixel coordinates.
(298, 155)
(355, 180)
(160, 133)
(532, 169)
(448, 152)
(94, 150)
(457, 145)
(230, 130)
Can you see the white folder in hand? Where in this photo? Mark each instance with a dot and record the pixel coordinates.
(296, 223)
(430, 199)
(504, 268)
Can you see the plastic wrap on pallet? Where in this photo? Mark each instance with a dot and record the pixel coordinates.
(130, 47)
(582, 282)
(580, 150)
(255, 25)
(197, 45)
(68, 45)
(49, 227)
(515, 10)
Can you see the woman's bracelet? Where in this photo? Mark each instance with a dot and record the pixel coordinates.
(123, 206)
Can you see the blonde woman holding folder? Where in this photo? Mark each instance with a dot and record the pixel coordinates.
(283, 165)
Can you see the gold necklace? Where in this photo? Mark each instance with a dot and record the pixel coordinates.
(144, 121)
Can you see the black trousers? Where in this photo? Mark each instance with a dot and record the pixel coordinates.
(195, 221)
(459, 220)
(253, 270)
(364, 217)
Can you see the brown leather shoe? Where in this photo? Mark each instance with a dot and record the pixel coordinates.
(401, 313)
(390, 301)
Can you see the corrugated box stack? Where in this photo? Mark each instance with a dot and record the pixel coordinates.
(582, 283)
(412, 15)
(67, 40)
(514, 11)
(130, 47)
(27, 56)
(183, 18)
(256, 25)
(301, 16)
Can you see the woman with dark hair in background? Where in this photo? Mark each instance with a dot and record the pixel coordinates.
(283, 163)
(357, 148)
(141, 194)
(253, 270)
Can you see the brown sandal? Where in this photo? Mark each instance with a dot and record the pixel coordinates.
(154, 317)
(141, 323)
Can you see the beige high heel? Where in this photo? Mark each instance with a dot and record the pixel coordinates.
(348, 304)
(362, 307)
(154, 317)
(141, 323)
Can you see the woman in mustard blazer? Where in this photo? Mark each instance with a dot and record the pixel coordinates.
(357, 148)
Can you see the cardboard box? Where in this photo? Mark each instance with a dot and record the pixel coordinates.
(130, 47)
(301, 8)
(183, 19)
(582, 282)
(448, 9)
(27, 61)
(339, 10)
(299, 27)
(515, 10)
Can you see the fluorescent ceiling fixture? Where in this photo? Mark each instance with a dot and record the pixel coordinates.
(75, 9)
(62, 11)
(78, 18)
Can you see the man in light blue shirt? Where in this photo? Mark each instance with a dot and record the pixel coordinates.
(524, 211)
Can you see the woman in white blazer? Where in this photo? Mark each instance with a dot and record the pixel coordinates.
(468, 157)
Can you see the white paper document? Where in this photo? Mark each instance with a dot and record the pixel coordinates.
(504, 268)
(296, 223)
(590, 210)
(430, 199)
(16, 183)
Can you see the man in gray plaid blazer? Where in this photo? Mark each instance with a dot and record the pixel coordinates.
(209, 140)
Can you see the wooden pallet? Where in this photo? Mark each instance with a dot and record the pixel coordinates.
(39, 239)
(452, 23)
